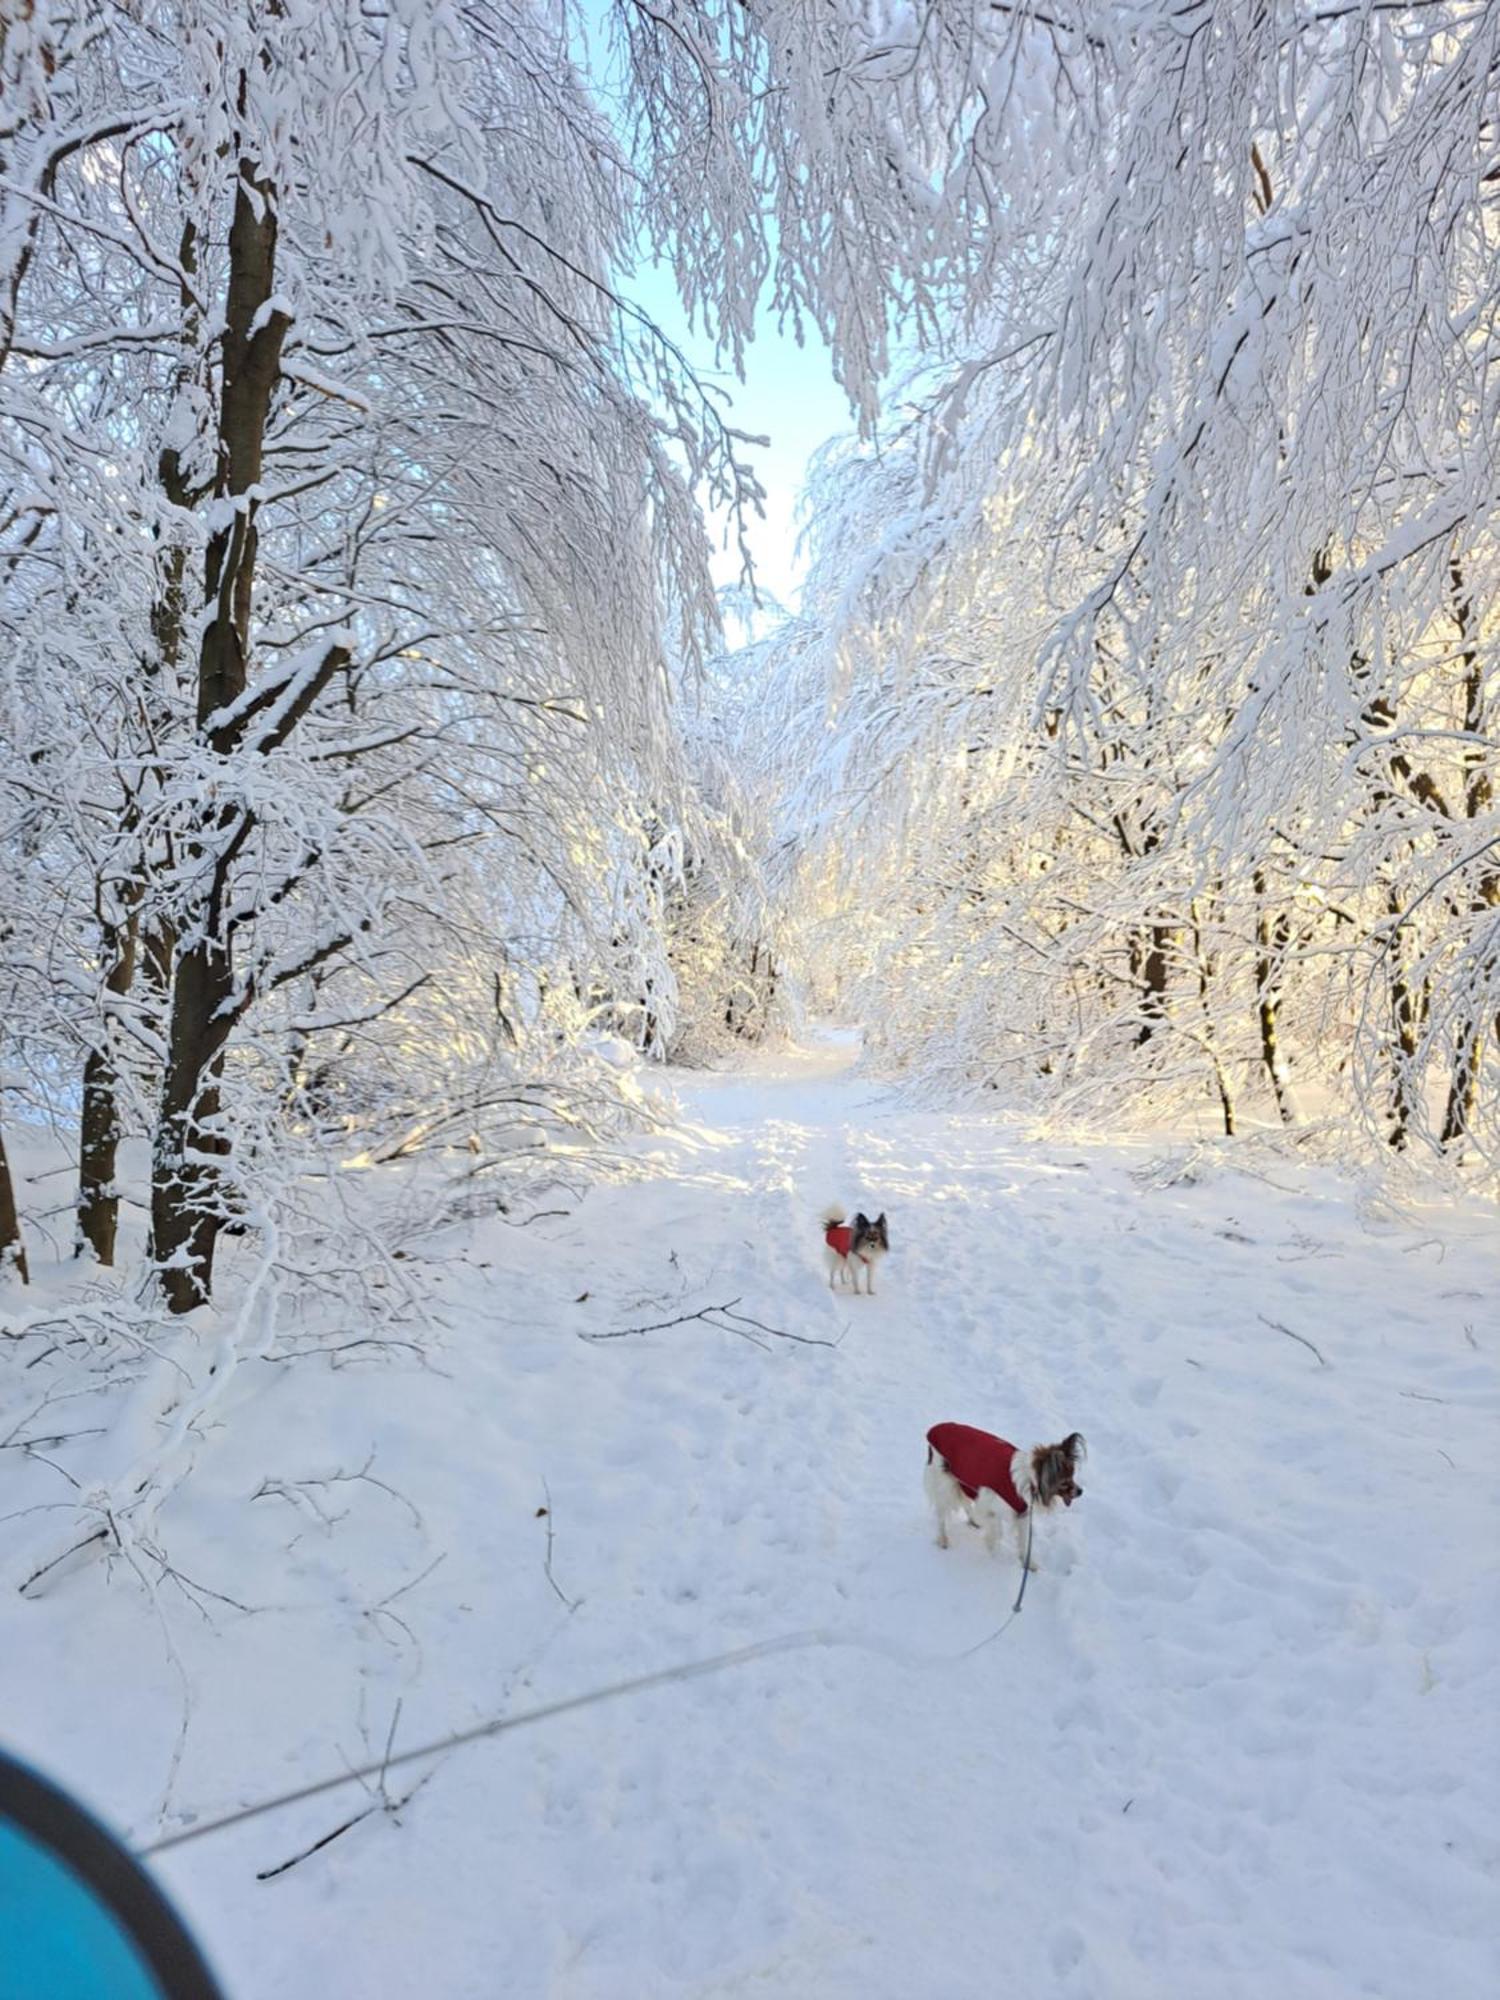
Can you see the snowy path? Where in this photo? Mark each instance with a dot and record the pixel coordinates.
(1244, 1744)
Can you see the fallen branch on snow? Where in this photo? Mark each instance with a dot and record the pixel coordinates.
(727, 1312)
(303, 1493)
(1277, 1327)
(380, 1802)
(569, 1604)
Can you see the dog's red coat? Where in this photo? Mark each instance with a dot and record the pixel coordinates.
(975, 1458)
(839, 1236)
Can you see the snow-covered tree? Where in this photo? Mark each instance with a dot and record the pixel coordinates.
(1155, 643)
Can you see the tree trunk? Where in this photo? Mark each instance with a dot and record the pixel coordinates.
(189, 1193)
(1148, 959)
(1271, 937)
(1149, 951)
(12, 1245)
(99, 1124)
(1408, 1016)
(1205, 962)
(121, 947)
(1463, 1090)
(1463, 1087)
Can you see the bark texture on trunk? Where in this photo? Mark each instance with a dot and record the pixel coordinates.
(99, 1123)
(1408, 1018)
(1207, 964)
(1149, 959)
(1272, 935)
(12, 1244)
(189, 1193)
(1478, 795)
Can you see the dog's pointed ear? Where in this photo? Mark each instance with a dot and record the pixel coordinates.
(880, 1220)
(861, 1220)
(1074, 1445)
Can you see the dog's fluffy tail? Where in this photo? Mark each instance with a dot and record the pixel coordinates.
(833, 1215)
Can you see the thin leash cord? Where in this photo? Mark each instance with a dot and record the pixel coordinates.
(498, 1725)
(1015, 1609)
(1026, 1564)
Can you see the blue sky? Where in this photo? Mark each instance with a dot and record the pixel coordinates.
(789, 395)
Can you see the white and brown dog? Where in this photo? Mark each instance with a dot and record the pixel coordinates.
(854, 1246)
(975, 1473)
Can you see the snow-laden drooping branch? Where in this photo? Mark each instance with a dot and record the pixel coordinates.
(1145, 678)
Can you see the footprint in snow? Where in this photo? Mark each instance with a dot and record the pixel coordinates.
(1067, 1951)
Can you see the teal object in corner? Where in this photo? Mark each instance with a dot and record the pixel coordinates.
(80, 1919)
(57, 1940)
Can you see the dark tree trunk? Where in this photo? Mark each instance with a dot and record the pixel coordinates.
(189, 1194)
(1271, 938)
(252, 344)
(1148, 951)
(1149, 954)
(1408, 1018)
(121, 946)
(1409, 1005)
(12, 1245)
(99, 1125)
(1207, 965)
(1463, 1087)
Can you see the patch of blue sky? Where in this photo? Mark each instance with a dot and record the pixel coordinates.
(787, 393)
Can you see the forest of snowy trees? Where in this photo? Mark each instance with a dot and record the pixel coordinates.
(371, 767)
(1143, 688)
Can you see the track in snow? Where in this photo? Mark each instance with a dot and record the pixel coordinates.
(1241, 1740)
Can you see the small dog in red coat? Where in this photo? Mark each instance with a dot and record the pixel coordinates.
(975, 1473)
(854, 1246)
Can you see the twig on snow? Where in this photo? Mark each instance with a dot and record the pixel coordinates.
(381, 1803)
(744, 1334)
(379, 1611)
(378, 1343)
(190, 1587)
(300, 1493)
(411, 1583)
(657, 1326)
(703, 1313)
(53, 1466)
(568, 1604)
(99, 1535)
(56, 1437)
(1276, 1325)
(779, 1333)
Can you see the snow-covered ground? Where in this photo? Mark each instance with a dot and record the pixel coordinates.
(1242, 1740)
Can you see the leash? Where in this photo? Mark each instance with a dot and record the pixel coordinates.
(498, 1725)
(1015, 1609)
(1026, 1565)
